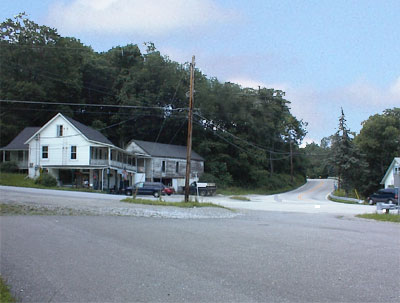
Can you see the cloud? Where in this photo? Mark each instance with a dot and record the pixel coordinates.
(365, 93)
(251, 83)
(150, 17)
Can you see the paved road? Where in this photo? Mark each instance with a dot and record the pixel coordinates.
(257, 257)
(295, 253)
(310, 198)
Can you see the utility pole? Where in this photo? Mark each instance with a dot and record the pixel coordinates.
(291, 160)
(189, 135)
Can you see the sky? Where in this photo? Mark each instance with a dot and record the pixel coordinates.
(325, 54)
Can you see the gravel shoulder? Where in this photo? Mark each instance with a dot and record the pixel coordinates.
(53, 202)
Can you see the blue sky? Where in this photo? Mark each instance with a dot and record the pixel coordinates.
(323, 54)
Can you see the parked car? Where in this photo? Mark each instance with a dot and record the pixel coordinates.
(387, 195)
(149, 188)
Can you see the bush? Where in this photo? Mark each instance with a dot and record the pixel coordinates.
(9, 167)
(46, 180)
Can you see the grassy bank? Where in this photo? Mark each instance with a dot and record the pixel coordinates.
(5, 295)
(21, 180)
(276, 188)
(342, 201)
(381, 217)
(190, 204)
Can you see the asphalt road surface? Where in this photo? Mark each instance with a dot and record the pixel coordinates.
(257, 256)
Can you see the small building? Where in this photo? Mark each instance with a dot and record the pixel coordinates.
(17, 151)
(77, 155)
(166, 163)
(392, 176)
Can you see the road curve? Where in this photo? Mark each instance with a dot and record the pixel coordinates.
(309, 198)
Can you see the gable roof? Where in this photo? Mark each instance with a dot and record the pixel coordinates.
(88, 132)
(166, 150)
(18, 143)
(396, 160)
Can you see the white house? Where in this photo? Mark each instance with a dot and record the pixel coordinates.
(76, 154)
(392, 176)
(166, 163)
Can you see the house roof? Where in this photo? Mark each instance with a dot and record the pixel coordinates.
(166, 150)
(18, 143)
(88, 132)
(396, 160)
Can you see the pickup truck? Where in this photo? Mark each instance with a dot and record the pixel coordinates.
(203, 189)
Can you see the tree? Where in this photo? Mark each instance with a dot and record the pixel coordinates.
(347, 158)
(379, 139)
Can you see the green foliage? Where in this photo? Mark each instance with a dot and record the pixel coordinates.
(379, 140)
(46, 180)
(5, 294)
(381, 217)
(350, 165)
(245, 135)
(190, 204)
(9, 167)
(316, 160)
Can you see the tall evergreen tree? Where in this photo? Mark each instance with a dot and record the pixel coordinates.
(346, 157)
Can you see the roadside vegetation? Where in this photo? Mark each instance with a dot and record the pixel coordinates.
(190, 204)
(5, 294)
(22, 180)
(381, 217)
(342, 201)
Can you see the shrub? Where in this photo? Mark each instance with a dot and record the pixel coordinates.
(46, 180)
(9, 167)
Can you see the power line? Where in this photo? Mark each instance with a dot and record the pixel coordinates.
(93, 105)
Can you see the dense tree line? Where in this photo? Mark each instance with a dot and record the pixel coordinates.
(247, 136)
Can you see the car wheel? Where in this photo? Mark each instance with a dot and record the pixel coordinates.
(371, 202)
(202, 193)
(128, 193)
(156, 194)
(390, 201)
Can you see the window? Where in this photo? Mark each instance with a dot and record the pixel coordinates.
(177, 167)
(73, 152)
(45, 152)
(163, 167)
(59, 130)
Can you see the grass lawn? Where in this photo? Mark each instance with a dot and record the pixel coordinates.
(5, 295)
(342, 201)
(22, 180)
(190, 204)
(381, 217)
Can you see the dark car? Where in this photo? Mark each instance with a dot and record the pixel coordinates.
(148, 188)
(387, 195)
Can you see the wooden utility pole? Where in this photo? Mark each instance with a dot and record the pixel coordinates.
(291, 160)
(189, 135)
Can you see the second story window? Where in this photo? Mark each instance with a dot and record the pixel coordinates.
(45, 152)
(163, 167)
(177, 167)
(73, 152)
(59, 130)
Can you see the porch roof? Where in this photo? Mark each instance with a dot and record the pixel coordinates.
(18, 142)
